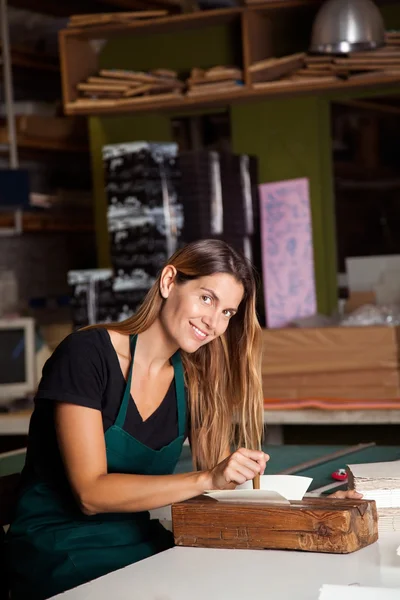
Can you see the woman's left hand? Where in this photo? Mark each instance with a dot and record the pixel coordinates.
(346, 494)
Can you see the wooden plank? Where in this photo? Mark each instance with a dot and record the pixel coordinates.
(94, 20)
(205, 18)
(139, 14)
(312, 525)
(101, 87)
(137, 76)
(270, 69)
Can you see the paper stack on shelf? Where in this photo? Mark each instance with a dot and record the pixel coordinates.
(379, 482)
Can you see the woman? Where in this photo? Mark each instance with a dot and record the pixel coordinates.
(113, 408)
(111, 415)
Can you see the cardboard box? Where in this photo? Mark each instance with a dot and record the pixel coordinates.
(330, 350)
(334, 362)
(370, 385)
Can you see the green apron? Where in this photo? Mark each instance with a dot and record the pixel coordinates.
(53, 546)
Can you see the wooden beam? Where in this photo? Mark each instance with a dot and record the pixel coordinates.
(75, 7)
(371, 106)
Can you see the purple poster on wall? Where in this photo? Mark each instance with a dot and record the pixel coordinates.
(287, 251)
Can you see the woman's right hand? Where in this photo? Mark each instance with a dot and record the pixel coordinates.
(239, 467)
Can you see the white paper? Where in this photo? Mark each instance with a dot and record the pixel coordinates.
(381, 470)
(356, 592)
(273, 488)
(248, 496)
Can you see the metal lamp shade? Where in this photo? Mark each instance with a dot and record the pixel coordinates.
(344, 26)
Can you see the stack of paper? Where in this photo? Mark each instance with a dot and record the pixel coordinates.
(380, 482)
(356, 592)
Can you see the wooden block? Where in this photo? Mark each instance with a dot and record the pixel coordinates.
(138, 91)
(101, 87)
(270, 69)
(129, 75)
(372, 62)
(313, 525)
(311, 72)
(113, 82)
(215, 74)
(165, 73)
(213, 88)
(303, 82)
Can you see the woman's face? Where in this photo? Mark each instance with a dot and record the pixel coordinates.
(198, 311)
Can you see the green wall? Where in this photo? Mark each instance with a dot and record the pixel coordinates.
(292, 139)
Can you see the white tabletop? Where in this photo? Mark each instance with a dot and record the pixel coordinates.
(200, 573)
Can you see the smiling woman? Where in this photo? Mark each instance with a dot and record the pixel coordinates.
(114, 406)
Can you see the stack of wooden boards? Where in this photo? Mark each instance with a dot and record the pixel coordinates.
(310, 69)
(379, 482)
(217, 79)
(157, 84)
(119, 85)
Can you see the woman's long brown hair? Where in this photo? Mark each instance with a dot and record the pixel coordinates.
(223, 377)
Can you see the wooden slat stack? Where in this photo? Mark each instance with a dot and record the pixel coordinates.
(218, 79)
(307, 68)
(118, 84)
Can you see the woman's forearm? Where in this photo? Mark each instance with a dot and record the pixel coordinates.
(114, 492)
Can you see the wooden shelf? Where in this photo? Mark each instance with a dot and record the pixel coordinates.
(169, 23)
(264, 34)
(245, 94)
(75, 7)
(34, 222)
(41, 144)
(34, 60)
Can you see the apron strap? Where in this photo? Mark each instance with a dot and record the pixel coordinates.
(180, 392)
(120, 420)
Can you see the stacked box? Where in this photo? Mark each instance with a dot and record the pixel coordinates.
(144, 216)
(332, 363)
(92, 296)
(219, 194)
(220, 198)
(98, 296)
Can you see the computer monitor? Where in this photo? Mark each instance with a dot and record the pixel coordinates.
(17, 358)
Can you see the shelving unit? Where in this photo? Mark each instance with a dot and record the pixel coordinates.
(40, 144)
(267, 30)
(25, 59)
(42, 222)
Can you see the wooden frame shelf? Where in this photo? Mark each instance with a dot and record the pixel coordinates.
(220, 100)
(269, 30)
